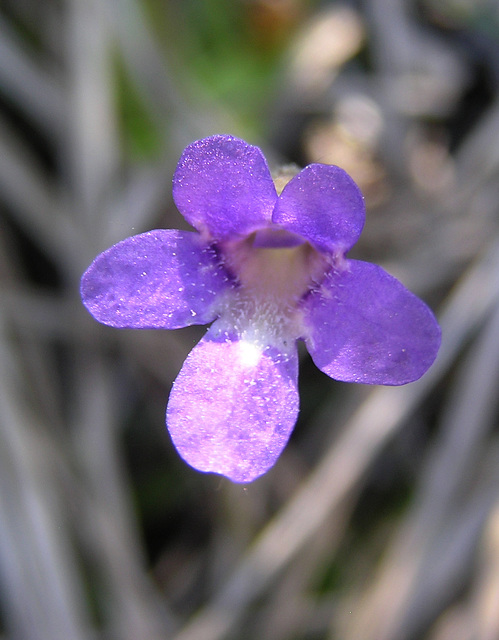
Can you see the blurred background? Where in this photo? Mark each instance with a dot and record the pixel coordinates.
(381, 519)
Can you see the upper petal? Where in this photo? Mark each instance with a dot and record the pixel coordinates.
(365, 326)
(233, 406)
(162, 279)
(223, 185)
(324, 205)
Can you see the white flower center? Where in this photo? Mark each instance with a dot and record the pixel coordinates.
(249, 353)
(263, 310)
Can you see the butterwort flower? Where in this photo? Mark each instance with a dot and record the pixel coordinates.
(266, 269)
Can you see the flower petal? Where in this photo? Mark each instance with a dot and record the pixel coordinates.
(324, 205)
(365, 326)
(223, 185)
(233, 407)
(162, 279)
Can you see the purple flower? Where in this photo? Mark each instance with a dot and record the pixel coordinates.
(267, 270)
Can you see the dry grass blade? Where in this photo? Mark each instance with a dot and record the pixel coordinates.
(29, 85)
(33, 200)
(94, 148)
(39, 571)
(109, 533)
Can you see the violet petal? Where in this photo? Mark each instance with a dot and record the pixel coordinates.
(324, 205)
(365, 326)
(162, 279)
(223, 185)
(233, 407)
